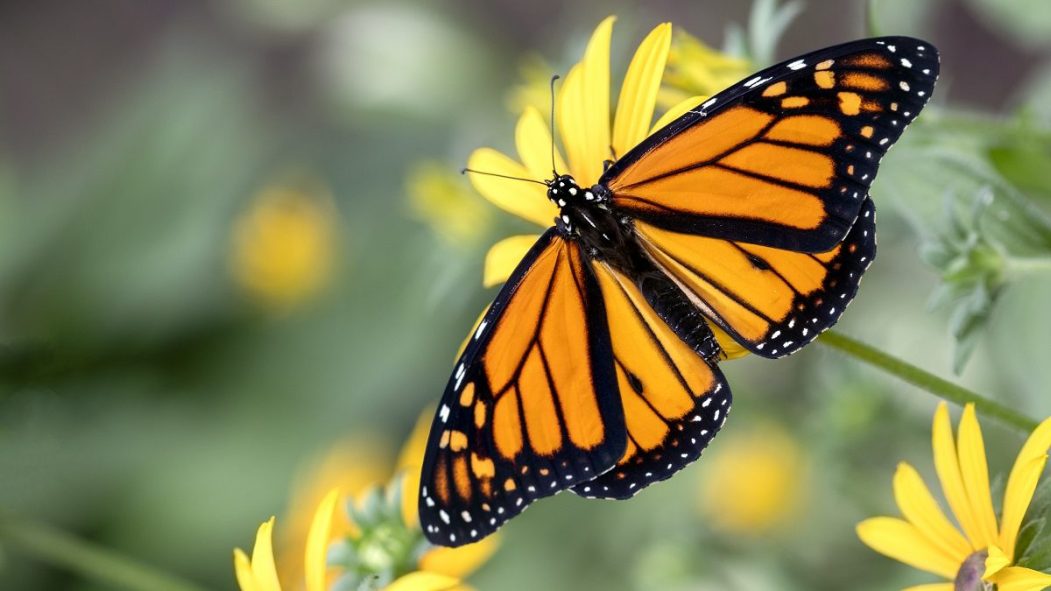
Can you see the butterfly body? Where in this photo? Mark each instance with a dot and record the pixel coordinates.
(596, 367)
(608, 237)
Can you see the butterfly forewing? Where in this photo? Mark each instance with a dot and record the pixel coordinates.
(531, 408)
(784, 158)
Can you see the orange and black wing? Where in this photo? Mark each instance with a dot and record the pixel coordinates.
(784, 158)
(674, 401)
(531, 408)
(771, 301)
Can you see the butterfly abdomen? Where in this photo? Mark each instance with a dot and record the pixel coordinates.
(679, 313)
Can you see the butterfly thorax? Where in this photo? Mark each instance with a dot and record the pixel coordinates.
(585, 214)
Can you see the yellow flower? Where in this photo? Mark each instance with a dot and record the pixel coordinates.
(354, 466)
(978, 550)
(385, 539)
(694, 69)
(283, 246)
(438, 196)
(754, 484)
(260, 573)
(583, 114)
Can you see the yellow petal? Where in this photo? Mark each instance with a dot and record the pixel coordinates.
(902, 541)
(410, 497)
(504, 256)
(533, 140)
(1016, 578)
(459, 562)
(931, 587)
(583, 108)
(995, 561)
(263, 569)
(948, 467)
(524, 199)
(919, 508)
(975, 472)
(353, 465)
(1021, 484)
(678, 111)
(423, 581)
(569, 113)
(243, 570)
(638, 93)
(731, 348)
(316, 556)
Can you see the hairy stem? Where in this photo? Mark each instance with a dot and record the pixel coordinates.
(925, 380)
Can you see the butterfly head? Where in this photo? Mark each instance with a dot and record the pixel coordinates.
(563, 190)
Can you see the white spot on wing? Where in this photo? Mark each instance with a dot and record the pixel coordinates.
(797, 65)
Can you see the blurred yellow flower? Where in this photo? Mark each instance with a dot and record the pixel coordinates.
(260, 573)
(379, 540)
(353, 466)
(754, 483)
(438, 196)
(283, 247)
(535, 89)
(694, 69)
(981, 554)
(583, 114)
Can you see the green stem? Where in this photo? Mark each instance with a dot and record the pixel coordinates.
(98, 564)
(1028, 265)
(925, 380)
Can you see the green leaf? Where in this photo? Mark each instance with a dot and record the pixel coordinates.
(1027, 535)
(767, 22)
(1024, 161)
(1034, 546)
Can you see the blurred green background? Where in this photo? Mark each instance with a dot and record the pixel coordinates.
(229, 239)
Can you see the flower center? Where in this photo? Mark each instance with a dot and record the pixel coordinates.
(969, 577)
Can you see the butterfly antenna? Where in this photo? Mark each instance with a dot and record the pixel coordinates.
(503, 176)
(553, 168)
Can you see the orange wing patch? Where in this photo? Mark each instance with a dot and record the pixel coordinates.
(708, 142)
(674, 401)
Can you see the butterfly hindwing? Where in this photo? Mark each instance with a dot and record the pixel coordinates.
(674, 400)
(784, 158)
(772, 301)
(531, 408)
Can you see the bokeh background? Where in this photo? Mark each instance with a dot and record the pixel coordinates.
(233, 240)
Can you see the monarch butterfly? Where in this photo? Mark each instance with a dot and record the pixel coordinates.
(596, 367)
